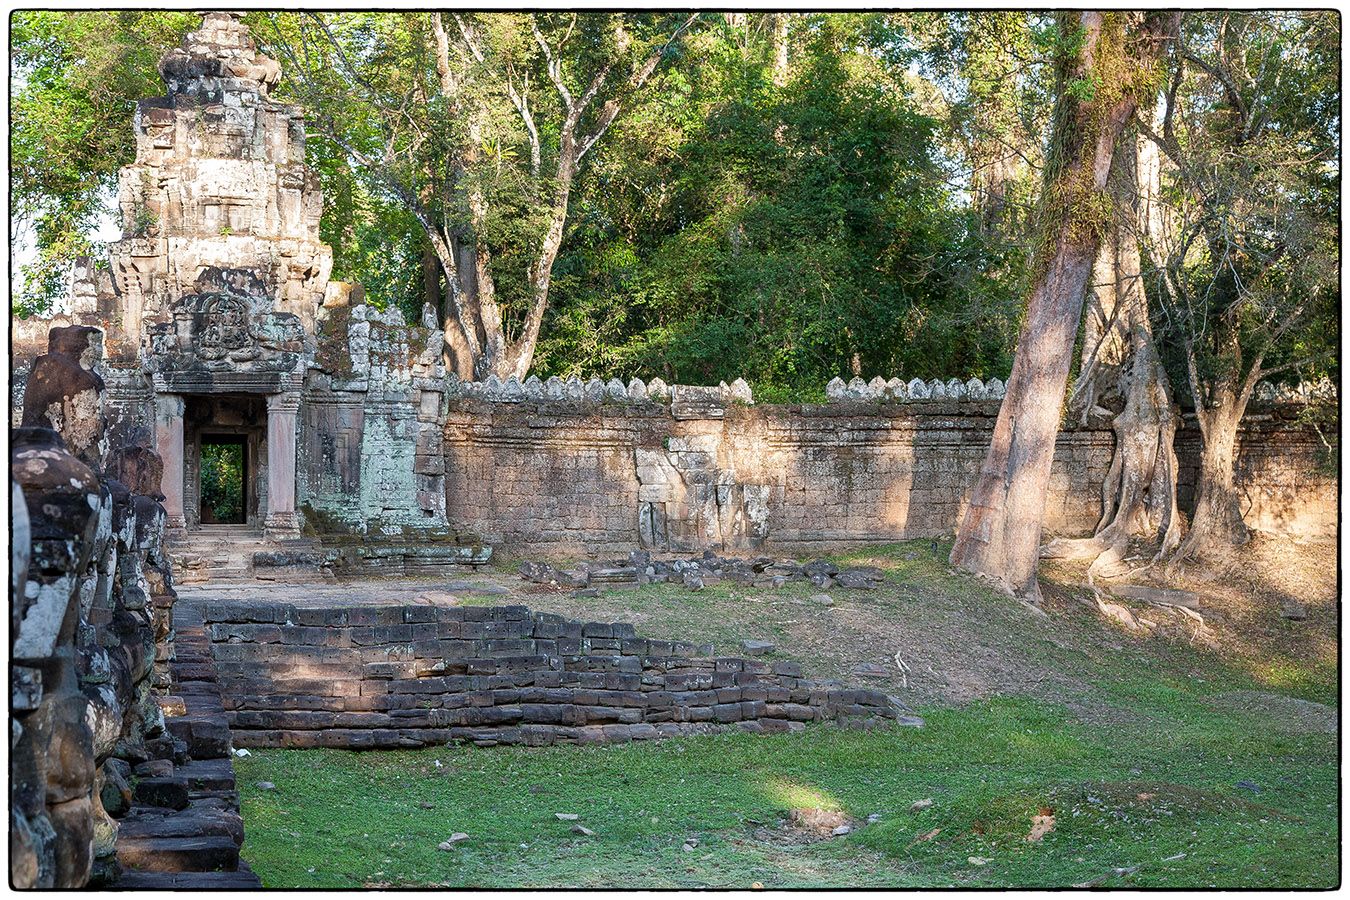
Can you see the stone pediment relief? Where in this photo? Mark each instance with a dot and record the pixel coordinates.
(228, 323)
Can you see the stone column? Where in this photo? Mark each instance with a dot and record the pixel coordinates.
(282, 411)
(169, 444)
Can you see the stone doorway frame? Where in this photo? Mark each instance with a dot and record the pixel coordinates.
(279, 517)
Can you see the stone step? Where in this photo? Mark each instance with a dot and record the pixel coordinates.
(206, 735)
(203, 853)
(208, 774)
(240, 880)
(198, 820)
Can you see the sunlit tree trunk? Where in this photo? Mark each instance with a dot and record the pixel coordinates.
(1121, 360)
(1000, 534)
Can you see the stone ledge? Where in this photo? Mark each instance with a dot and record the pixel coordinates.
(411, 676)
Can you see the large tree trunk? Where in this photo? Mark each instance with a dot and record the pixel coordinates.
(1000, 535)
(1216, 523)
(1121, 366)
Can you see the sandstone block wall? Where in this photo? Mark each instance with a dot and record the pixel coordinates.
(1286, 476)
(600, 475)
(371, 677)
(603, 477)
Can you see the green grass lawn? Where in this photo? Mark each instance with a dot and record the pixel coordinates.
(1195, 797)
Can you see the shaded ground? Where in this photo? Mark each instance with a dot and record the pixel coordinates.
(1163, 760)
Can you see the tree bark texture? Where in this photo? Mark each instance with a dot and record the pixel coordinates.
(1000, 534)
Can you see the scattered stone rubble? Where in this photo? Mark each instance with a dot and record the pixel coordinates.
(410, 676)
(695, 573)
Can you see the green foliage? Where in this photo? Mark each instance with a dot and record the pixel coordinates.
(75, 79)
(222, 482)
(737, 228)
(1246, 272)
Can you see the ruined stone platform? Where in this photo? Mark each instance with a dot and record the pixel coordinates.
(381, 675)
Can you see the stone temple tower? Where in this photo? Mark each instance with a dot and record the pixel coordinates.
(220, 333)
(220, 270)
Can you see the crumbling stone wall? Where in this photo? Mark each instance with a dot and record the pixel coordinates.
(1287, 476)
(91, 623)
(598, 468)
(410, 676)
(601, 477)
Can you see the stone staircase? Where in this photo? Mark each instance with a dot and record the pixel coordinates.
(226, 553)
(184, 831)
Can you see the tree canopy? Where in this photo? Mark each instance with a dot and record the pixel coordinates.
(781, 196)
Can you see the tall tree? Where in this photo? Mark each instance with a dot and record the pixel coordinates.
(1122, 376)
(1106, 61)
(478, 124)
(1245, 258)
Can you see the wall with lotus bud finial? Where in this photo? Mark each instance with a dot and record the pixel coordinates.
(599, 465)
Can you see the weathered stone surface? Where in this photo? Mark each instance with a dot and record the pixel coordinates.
(507, 677)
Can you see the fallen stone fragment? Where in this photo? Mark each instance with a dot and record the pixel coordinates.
(1101, 879)
(842, 830)
(567, 817)
(266, 786)
(456, 838)
(874, 818)
(858, 581)
(921, 804)
(757, 648)
(578, 828)
(582, 593)
(425, 805)
(978, 860)
(871, 670)
(823, 599)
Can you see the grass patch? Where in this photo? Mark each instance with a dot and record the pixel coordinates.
(1216, 803)
(1146, 751)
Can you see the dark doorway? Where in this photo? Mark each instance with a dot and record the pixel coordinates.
(224, 479)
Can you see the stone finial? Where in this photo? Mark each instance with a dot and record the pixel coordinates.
(956, 389)
(975, 389)
(219, 61)
(595, 390)
(574, 389)
(995, 389)
(877, 386)
(554, 389)
(615, 390)
(836, 389)
(658, 390)
(740, 391)
(637, 390)
(534, 388)
(918, 390)
(512, 389)
(896, 388)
